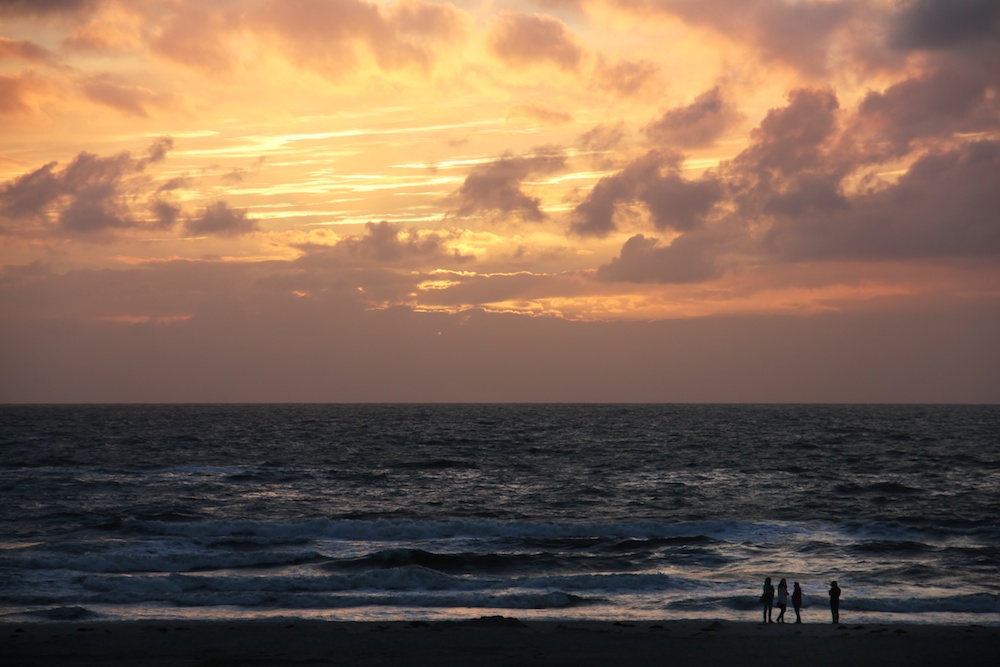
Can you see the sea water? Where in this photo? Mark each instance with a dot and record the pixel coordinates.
(375, 512)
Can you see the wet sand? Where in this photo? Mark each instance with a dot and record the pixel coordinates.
(491, 641)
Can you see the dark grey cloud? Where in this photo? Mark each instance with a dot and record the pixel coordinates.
(689, 258)
(792, 176)
(944, 206)
(28, 196)
(807, 188)
(175, 183)
(794, 161)
(496, 187)
(655, 181)
(97, 203)
(91, 194)
(36, 8)
(602, 137)
(945, 24)
(158, 150)
(791, 139)
(934, 105)
(219, 219)
(697, 124)
(165, 213)
(386, 244)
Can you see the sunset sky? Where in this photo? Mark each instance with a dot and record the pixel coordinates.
(549, 200)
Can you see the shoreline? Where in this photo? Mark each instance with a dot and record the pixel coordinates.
(488, 641)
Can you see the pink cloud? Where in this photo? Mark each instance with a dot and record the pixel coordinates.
(530, 39)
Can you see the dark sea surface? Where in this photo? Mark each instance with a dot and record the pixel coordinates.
(626, 512)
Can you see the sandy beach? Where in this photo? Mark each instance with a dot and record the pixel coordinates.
(491, 641)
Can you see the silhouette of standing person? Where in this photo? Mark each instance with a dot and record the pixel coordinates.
(835, 601)
(797, 602)
(782, 600)
(767, 599)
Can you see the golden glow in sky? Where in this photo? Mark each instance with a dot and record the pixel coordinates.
(179, 164)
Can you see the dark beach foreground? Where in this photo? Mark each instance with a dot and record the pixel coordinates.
(490, 641)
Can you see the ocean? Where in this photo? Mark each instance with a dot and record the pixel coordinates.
(558, 512)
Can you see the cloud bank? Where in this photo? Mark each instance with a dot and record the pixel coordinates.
(591, 200)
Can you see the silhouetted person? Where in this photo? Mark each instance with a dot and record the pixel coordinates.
(797, 602)
(835, 601)
(782, 600)
(767, 599)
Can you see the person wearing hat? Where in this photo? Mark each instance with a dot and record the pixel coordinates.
(835, 601)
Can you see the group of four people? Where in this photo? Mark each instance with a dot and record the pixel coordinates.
(782, 602)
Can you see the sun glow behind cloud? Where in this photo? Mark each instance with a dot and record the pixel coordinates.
(588, 161)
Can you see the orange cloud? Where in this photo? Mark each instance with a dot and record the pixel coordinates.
(129, 100)
(331, 37)
(196, 36)
(103, 36)
(19, 93)
(26, 50)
